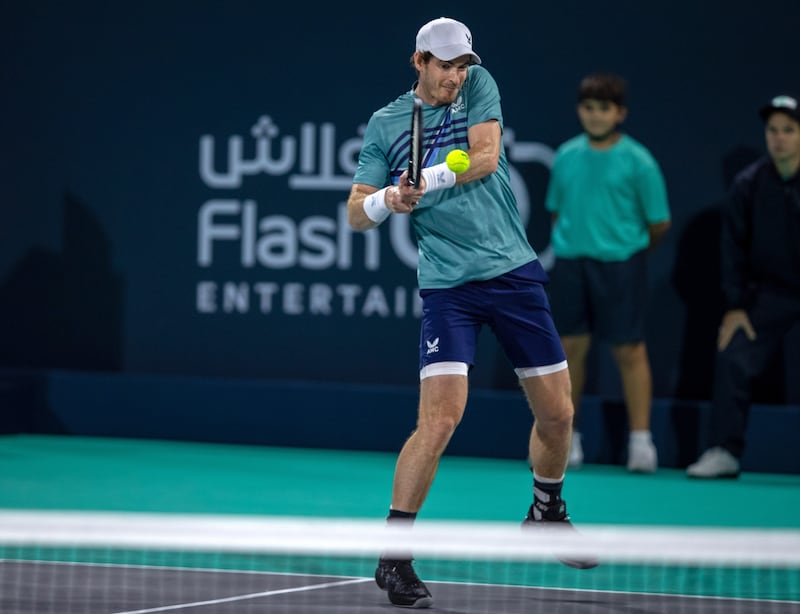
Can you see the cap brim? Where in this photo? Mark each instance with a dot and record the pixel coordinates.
(451, 52)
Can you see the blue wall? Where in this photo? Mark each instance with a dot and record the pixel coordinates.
(353, 416)
(145, 232)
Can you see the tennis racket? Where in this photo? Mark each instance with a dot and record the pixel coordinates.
(415, 148)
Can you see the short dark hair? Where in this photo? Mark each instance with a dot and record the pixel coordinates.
(603, 86)
(426, 57)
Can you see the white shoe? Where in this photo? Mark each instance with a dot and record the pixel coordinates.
(642, 455)
(715, 463)
(575, 451)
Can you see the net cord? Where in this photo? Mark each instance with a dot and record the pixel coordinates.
(431, 538)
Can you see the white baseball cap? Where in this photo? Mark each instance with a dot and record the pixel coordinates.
(447, 39)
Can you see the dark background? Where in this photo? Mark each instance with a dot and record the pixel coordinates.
(104, 106)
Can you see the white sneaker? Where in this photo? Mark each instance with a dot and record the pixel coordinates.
(575, 451)
(642, 455)
(715, 463)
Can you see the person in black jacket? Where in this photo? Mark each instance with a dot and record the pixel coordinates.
(760, 246)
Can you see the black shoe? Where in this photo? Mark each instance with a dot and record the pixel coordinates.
(555, 517)
(399, 579)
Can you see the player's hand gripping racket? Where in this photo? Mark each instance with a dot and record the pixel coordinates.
(415, 149)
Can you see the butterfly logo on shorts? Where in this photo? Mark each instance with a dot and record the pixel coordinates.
(433, 346)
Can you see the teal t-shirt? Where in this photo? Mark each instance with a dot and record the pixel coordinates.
(605, 199)
(466, 233)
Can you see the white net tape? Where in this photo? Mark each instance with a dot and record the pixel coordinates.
(443, 539)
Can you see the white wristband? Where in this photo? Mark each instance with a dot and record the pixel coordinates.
(375, 206)
(438, 177)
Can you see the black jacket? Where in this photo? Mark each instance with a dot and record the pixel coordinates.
(761, 235)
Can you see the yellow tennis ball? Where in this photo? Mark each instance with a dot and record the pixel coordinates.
(457, 161)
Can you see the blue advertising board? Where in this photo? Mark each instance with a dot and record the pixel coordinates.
(175, 175)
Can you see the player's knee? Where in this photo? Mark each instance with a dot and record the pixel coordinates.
(439, 425)
(434, 436)
(557, 418)
(443, 426)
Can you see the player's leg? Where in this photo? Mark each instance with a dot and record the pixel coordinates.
(549, 399)
(448, 337)
(443, 397)
(548, 396)
(442, 402)
(523, 324)
(449, 331)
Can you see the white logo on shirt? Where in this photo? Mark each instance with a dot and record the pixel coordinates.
(458, 105)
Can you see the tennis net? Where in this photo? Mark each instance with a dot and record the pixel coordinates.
(133, 563)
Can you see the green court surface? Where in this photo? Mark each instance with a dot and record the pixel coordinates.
(84, 473)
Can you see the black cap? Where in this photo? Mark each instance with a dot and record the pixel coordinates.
(784, 104)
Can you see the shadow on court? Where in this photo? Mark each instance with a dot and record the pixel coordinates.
(69, 588)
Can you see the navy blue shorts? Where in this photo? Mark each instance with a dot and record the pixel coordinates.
(516, 308)
(604, 299)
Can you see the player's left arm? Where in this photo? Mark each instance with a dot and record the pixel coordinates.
(485, 140)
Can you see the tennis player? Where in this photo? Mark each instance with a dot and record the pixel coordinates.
(476, 268)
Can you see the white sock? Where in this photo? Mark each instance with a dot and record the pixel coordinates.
(641, 437)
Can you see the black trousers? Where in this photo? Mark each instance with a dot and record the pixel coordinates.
(772, 316)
